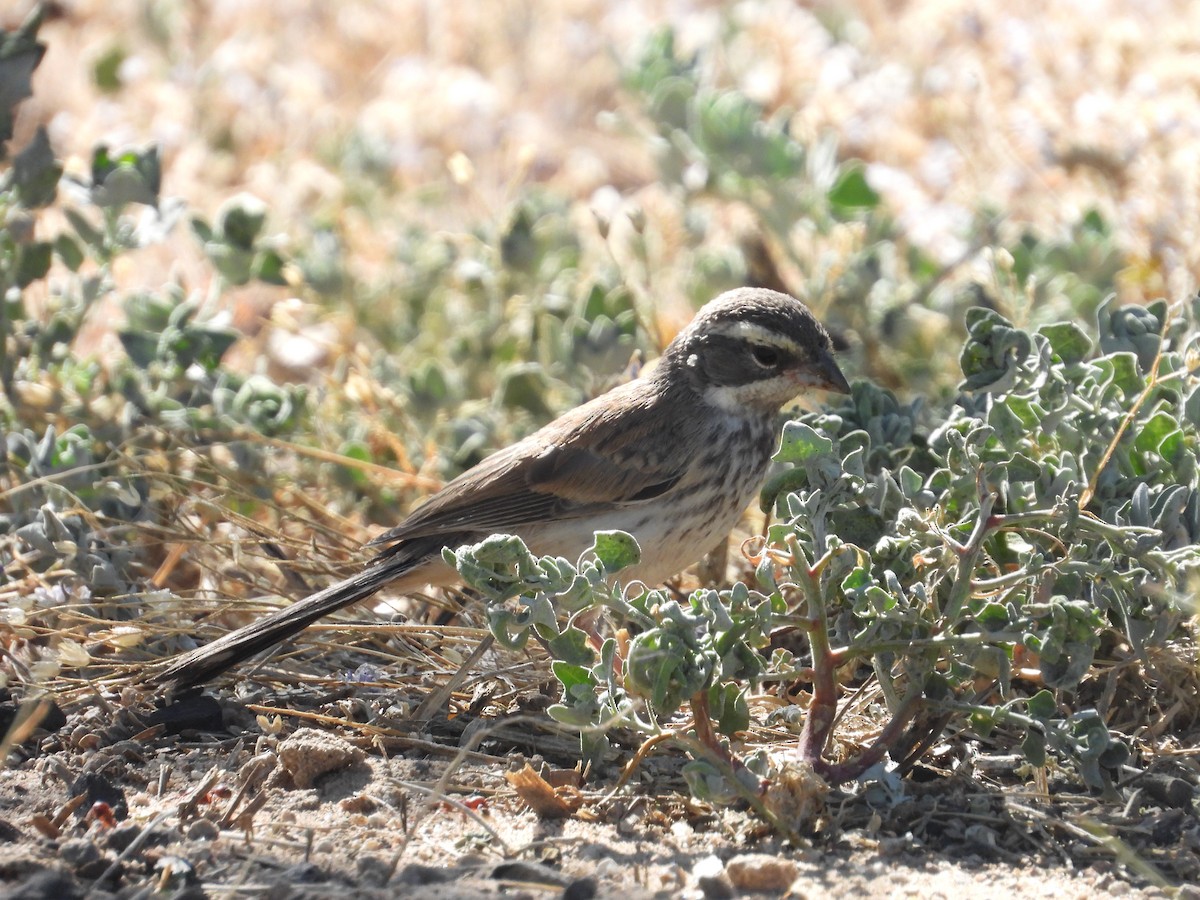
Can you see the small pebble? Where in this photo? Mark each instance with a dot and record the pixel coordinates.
(78, 852)
(629, 825)
(308, 754)
(712, 880)
(122, 836)
(608, 868)
(359, 803)
(203, 830)
(681, 831)
(761, 872)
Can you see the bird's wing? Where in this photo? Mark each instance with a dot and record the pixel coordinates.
(579, 465)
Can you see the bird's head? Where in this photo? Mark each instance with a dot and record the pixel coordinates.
(754, 348)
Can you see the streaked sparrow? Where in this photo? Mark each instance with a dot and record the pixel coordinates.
(673, 458)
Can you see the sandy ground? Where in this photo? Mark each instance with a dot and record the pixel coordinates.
(221, 799)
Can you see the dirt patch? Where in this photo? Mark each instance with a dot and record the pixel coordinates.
(107, 804)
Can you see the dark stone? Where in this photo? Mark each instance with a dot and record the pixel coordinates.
(121, 837)
(78, 852)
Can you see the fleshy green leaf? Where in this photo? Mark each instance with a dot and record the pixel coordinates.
(993, 617)
(240, 220)
(36, 172)
(853, 192)
(1042, 705)
(268, 267)
(616, 550)
(33, 262)
(800, 441)
(1034, 747)
(571, 646)
(1067, 340)
(68, 251)
(727, 705)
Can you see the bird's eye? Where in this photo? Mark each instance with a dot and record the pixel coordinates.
(765, 356)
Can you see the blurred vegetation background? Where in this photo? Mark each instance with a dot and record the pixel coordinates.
(486, 209)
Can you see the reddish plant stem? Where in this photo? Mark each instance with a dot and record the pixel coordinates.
(823, 708)
(707, 735)
(838, 773)
(822, 711)
(705, 732)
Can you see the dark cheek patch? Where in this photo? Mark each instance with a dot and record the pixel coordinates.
(722, 367)
(729, 363)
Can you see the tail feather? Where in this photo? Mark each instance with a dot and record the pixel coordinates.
(212, 659)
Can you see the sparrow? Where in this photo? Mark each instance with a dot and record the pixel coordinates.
(672, 457)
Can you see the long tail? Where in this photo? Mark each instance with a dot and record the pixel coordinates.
(209, 661)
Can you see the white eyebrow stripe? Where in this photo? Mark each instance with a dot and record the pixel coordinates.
(757, 334)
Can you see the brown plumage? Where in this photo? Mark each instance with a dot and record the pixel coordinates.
(673, 458)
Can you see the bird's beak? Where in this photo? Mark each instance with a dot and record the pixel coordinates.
(831, 377)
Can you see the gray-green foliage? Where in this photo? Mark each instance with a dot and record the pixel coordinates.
(20, 54)
(70, 426)
(713, 143)
(715, 147)
(61, 498)
(709, 644)
(488, 334)
(1040, 514)
(1053, 510)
